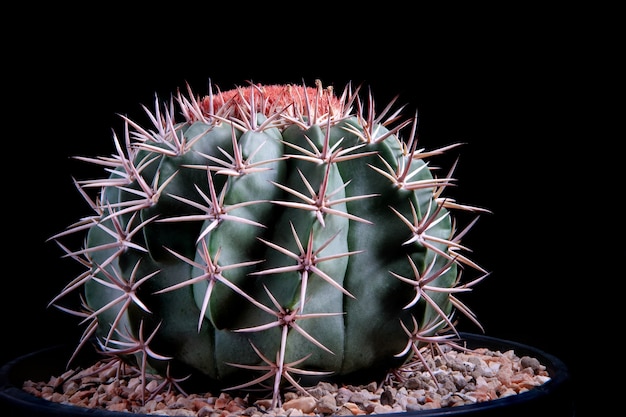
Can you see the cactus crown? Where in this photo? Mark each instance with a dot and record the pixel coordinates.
(275, 235)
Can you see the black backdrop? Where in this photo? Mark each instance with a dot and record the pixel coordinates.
(492, 86)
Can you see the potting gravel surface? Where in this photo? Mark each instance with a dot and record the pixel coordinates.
(463, 377)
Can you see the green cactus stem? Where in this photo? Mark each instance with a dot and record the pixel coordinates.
(269, 235)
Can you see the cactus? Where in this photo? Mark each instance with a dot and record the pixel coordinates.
(274, 236)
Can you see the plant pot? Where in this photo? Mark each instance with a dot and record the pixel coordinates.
(553, 398)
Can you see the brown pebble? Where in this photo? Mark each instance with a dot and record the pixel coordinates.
(305, 404)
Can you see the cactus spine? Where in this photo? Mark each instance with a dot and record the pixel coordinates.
(275, 234)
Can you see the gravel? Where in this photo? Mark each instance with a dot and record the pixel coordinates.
(463, 377)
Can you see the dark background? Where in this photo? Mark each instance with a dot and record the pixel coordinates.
(510, 88)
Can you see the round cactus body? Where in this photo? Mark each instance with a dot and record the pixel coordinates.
(275, 234)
